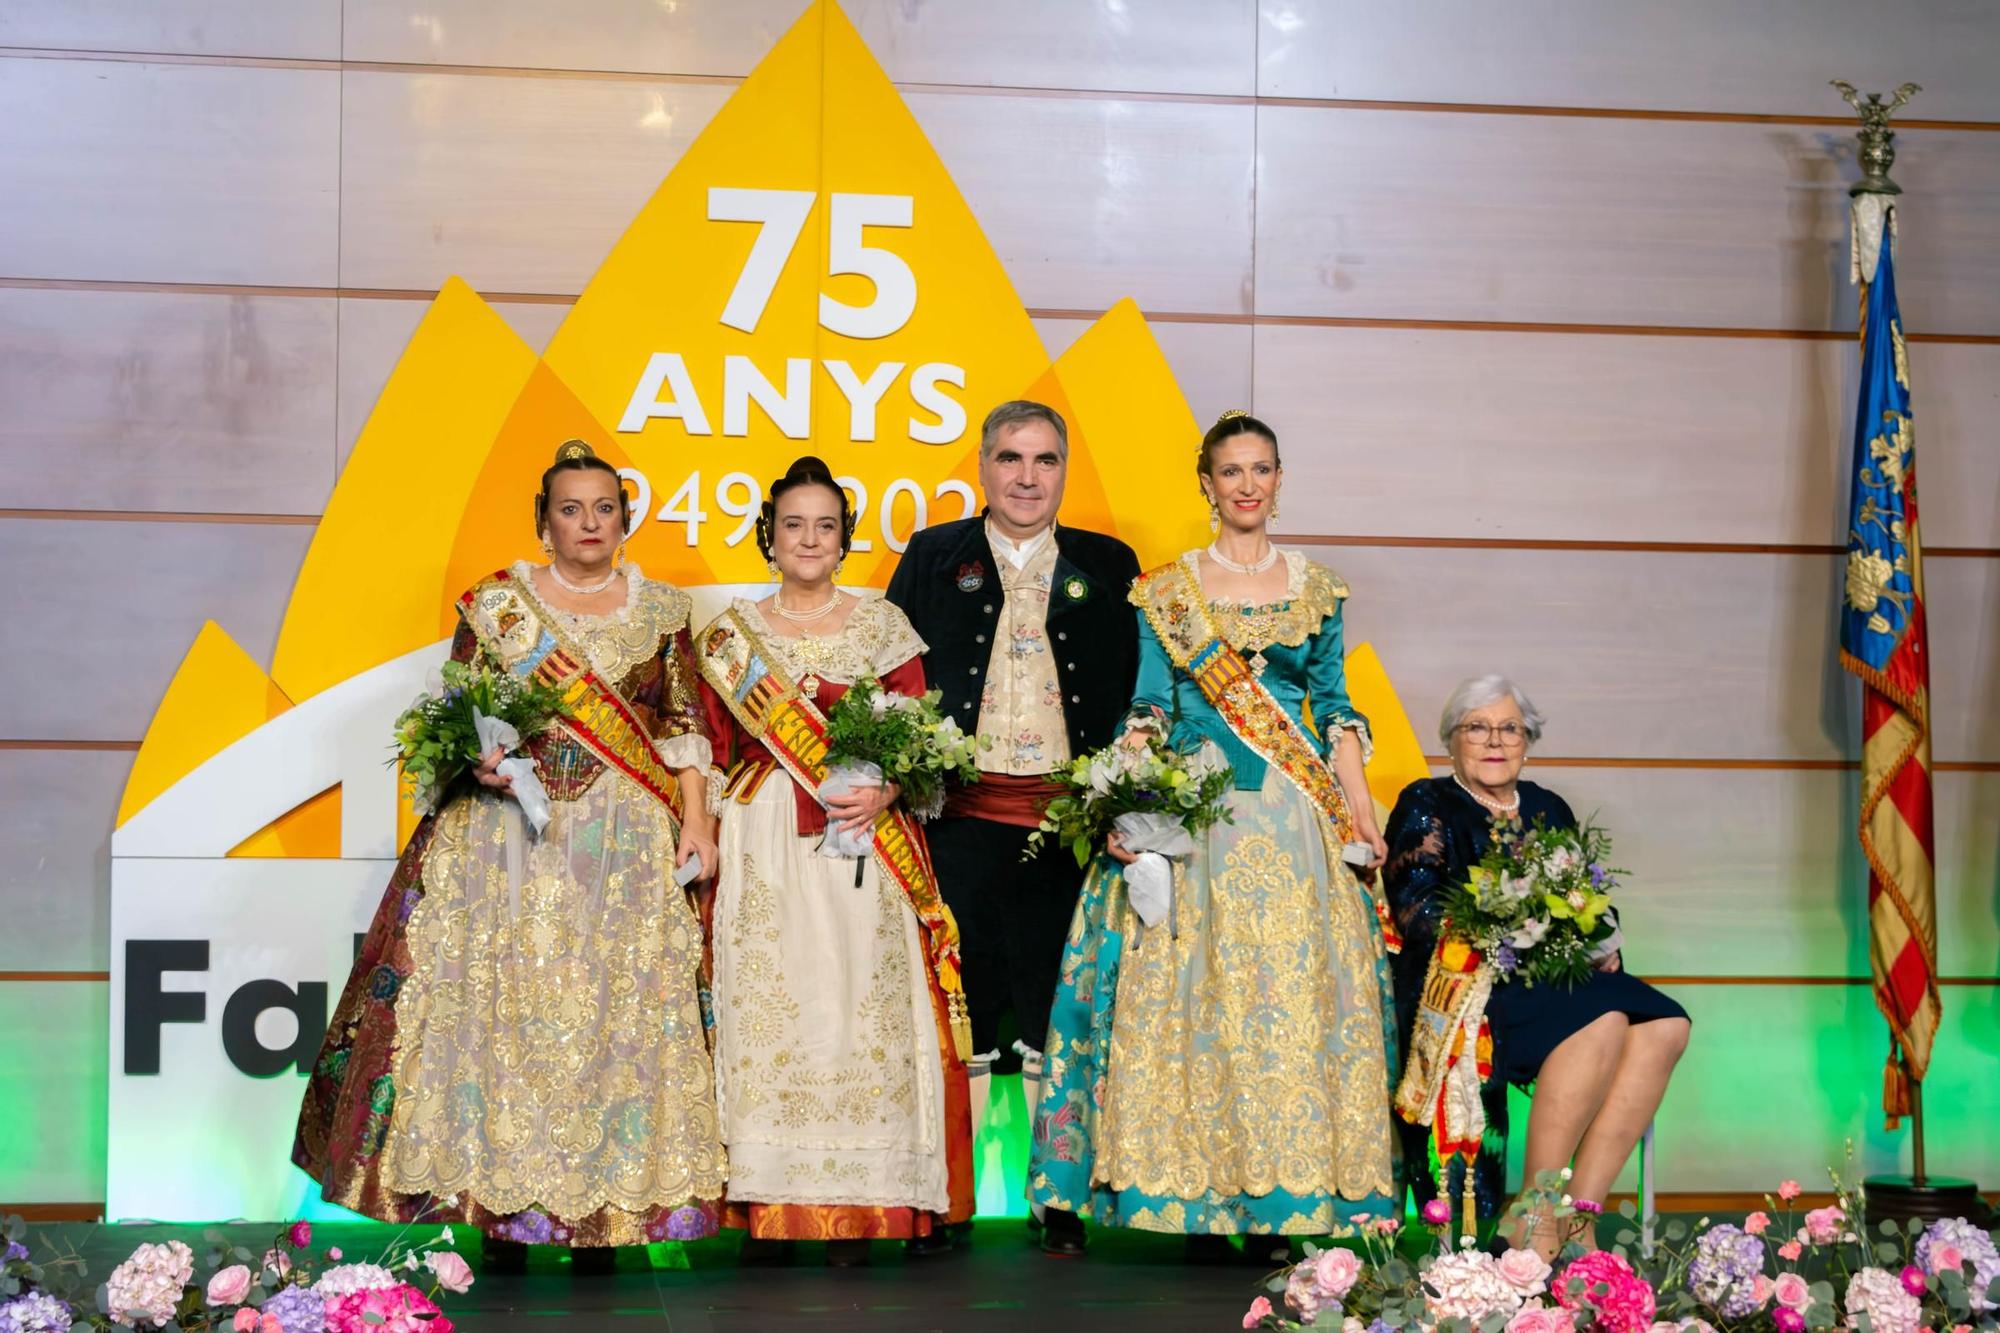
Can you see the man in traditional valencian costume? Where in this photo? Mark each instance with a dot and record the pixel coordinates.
(1035, 649)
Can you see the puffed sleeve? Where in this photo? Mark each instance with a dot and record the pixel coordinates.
(1326, 688)
(683, 735)
(893, 643)
(907, 678)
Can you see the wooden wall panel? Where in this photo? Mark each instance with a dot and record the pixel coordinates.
(106, 611)
(1648, 655)
(1771, 58)
(296, 29)
(169, 173)
(1419, 215)
(56, 813)
(1585, 437)
(166, 401)
(1185, 46)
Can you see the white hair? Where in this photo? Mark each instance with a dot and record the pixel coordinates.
(1478, 692)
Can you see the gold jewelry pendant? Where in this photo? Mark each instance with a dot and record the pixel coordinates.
(808, 686)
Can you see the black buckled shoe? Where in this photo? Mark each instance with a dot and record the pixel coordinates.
(933, 1242)
(1062, 1234)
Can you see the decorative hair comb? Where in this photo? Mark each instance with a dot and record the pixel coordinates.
(1231, 415)
(570, 450)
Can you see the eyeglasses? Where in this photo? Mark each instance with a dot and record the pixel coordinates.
(1479, 733)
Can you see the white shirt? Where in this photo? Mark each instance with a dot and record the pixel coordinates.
(1017, 554)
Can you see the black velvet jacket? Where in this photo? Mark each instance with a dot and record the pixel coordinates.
(948, 584)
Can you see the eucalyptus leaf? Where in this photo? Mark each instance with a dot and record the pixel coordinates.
(1888, 1228)
(1677, 1230)
(80, 1326)
(1275, 1284)
(1887, 1254)
(1628, 1210)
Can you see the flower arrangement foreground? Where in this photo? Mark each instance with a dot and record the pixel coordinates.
(286, 1290)
(1779, 1270)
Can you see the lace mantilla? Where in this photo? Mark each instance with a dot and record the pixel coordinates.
(1312, 593)
(877, 638)
(618, 640)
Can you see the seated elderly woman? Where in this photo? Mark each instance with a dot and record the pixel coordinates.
(1598, 1055)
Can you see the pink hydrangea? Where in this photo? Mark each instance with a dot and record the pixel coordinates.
(401, 1309)
(1879, 1294)
(148, 1285)
(1468, 1285)
(1626, 1306)
(1302, 1295)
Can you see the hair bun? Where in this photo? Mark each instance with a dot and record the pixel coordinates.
(808, 465)
(571, 450)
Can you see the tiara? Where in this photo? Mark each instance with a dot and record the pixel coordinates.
(571, 450)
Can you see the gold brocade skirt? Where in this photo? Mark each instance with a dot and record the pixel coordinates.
(1247, 1081)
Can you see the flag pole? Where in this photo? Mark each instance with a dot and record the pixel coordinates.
(1919, 1194)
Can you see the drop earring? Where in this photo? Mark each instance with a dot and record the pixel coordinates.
(1214, 517)
(772, 565)
(1274, 509)
(548, 547)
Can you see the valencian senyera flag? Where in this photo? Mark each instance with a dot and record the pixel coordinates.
(1883, 642)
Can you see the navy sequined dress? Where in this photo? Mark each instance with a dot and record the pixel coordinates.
(1436, 835)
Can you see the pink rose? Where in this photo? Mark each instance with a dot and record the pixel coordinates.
(1792, 1291)
(229, 1286)
(1525, 1271)
(1823, 1224)
(1789, 1190)
(1945, 1258)
(1260, 1309)
(1788, 1320)
(301, 1235)
(1437, 1213)
(277, 1261)
(1536, 1319)
(1790, 1251)
(247, 1320)
(1757, 1223)
(452, 1272)
(1914, 1280)
(1335, 1272)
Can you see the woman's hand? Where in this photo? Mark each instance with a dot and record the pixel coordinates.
(1365, 831)
(487, 777)
(858, 809)
(698, 839)
(1114, 845)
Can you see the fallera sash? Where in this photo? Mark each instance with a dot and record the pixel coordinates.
(1174, 605)
(1451, 1055)
(735, 660)
(511, 626)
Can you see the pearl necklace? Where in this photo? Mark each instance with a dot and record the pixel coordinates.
(1254, 567)
(579, 589)
(1497, 807)
(801, 617)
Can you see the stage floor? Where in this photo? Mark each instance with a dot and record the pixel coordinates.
(1000, 1281)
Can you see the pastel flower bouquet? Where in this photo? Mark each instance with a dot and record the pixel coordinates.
(1538, 904)
(1781, 1269)
(286, 1290)
(873, 735)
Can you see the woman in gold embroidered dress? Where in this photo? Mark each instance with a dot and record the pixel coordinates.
(1227, 1070)
(843, 1098)
(520, 1044)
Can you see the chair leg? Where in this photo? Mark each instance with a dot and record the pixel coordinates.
(1646, 1191)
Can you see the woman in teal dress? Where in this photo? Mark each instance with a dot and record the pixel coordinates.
(1227, 1071)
